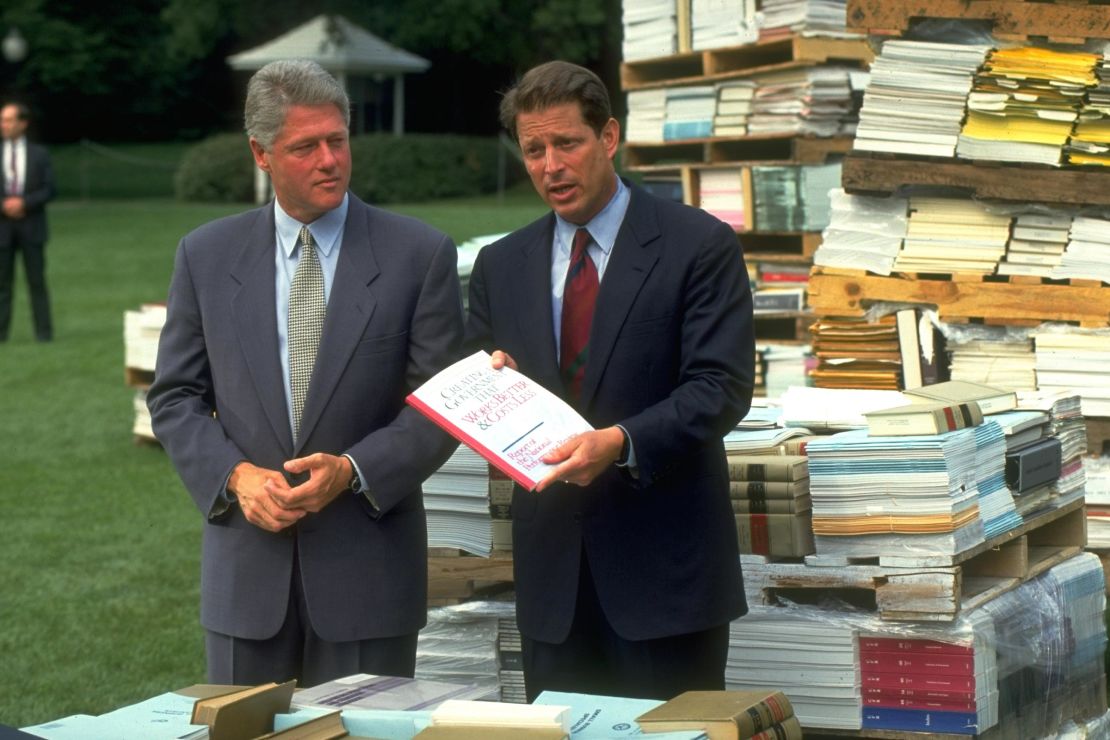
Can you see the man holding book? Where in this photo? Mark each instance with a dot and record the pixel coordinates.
(293, 333)
(637, 311)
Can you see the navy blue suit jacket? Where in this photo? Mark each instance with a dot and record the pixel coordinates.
(671, 359)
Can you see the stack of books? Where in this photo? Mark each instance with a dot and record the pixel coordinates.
(455, 719)
(1066, 424)
(1028, 431)
(689, 112)
(999, 356)
(905, 495)
(762, 714)
(1090, 139)
(924, 684)
(815, 182)
(784, 365)
(997, 507)
(647, 111)
(650, 29)
(1024, 103)
(775, 192)
(812, 101)
(914, 103)
(720, 23)
(511, 660)
(1088, 251)
(459, 646)
(721, 192)
(1097, 497)
(864, 233)
(807, 17)
(808, 652)
(1077, 361)
(734, 107)
(771, 503)
(1037, 243)
(467, 503)
(856, 353)
(949, 235)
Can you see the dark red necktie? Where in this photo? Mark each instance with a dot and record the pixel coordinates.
(579, 297)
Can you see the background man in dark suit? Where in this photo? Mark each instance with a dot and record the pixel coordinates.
(314, 554)
(28, 183)
(626, 563)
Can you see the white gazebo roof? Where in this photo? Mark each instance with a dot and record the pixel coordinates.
(337, 45)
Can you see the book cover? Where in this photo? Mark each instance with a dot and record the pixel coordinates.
(919, 720)
(244, 713)
(912, 645)
(989, 398)
(767, 468)
(722, 714)
(931, 682)
(904, 702)
(759, 489)
(907, 662)
(923, 418)
(772, 505)
(325, 727)
(786, 535)
(503, 415)
(1033, 464)
(789, 729)
(939, 695)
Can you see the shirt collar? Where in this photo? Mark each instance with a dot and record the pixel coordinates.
(603, 227)
(325, 230)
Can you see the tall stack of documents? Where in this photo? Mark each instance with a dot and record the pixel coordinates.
(1097, 497)
(1024, 104)
(734, 107)
(777, 207)
(689, 112)
(1077, 361)
(721, 192)
(864, 233)
(1090, 140)
(856, 353)
(899, 495)
(808, 17)
(646, 114)
(914, 103)
(808, 653)
(814, 101)
(996, 504)
(459, 645)
(721, 23)
(949, 235)
(1037, 243)
(993, 355)
(815, 182)
(1066, 423)
(650, 29)
(462, 499)
(1087, 255)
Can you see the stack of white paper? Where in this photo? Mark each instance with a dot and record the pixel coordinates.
(720, 23)
(914, 103)
(734, 107)
(864, 233)
(996, 503)
(1037, 243)
(457, 501)
(650, 29)
(141, 331)
(1077, 361)
(646, 113)
(1097, 497)
(810, 654)
(1066, 424)
(950, 235)
(1087, 256)
(721, 192)
(815, 184)
(459, 646)
(998, 356)
(815, 101)
(689, 112)
(808, 17)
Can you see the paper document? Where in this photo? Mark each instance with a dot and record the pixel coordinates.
(503, 415)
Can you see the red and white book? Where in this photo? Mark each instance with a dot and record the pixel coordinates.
(503, 415)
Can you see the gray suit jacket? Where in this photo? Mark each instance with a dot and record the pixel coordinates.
(394, 318)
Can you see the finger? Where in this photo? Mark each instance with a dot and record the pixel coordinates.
(301, 464)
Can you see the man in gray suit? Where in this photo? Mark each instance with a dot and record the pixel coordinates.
(314, 560)
(26, 184)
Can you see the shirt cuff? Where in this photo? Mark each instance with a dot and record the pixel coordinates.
(362, 489)
(630, 463)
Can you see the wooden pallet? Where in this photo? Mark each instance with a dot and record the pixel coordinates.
(871, 174)
(453, 578)
(136, 378)
(1062, 22)
(929, 588)
(835, 292)
(734, 151)
(715, 65)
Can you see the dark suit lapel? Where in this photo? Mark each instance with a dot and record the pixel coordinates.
(255, 318)
(532, 284)
(350, 306)
(634, 255)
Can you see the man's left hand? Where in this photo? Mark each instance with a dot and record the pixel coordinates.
(13, 207)
(583, 457)
(328, 476)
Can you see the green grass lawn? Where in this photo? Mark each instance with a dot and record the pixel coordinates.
(100, 545)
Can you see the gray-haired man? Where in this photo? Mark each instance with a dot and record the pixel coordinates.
(307, 467)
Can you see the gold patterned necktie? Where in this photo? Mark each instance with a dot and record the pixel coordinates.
(307, 307)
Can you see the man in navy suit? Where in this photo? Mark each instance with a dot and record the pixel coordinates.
(626, 562)
(314, 561)
(26, 184)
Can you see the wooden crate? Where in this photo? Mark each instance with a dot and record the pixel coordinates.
(835, 292)
(1064, 22)
(136, 378)
(929, 588)
(454, 577)
(715, 65)
(733, 151)
(868, 173)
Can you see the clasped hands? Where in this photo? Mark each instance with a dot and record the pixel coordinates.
(268, 501)
(581, 458)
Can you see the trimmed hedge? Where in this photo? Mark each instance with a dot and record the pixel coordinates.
(219, 169)
(385, 168)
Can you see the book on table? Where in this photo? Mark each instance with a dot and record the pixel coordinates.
(503, 415)
(989, 398)
(246, 712)
(724, 715)
(923, 418)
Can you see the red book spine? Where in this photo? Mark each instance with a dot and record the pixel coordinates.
(912, 645)
(911, 681)
(761, 534)
(950, 697)
(895, 702)
(922, 664)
